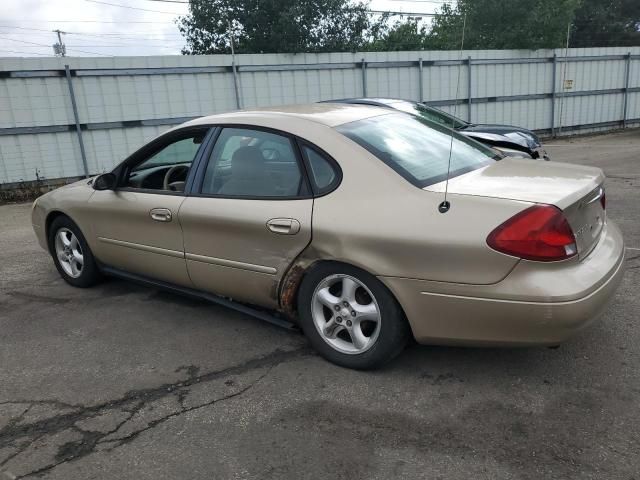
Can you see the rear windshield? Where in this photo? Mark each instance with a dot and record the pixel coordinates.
(416, 148)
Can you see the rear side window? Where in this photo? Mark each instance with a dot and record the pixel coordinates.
(416, 148)
(253, 163)
(323, 174)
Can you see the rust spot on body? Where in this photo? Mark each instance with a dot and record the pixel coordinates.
(289, 289)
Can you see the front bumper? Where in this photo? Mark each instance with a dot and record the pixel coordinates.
(38, 222)
(536, 304)
(541, 154)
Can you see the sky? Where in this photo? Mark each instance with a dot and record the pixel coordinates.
(114, 27)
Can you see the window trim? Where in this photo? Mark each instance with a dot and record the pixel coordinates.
(335, 166)
(153, 147)
(198, 181)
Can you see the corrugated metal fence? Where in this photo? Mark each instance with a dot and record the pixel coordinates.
(59, 123)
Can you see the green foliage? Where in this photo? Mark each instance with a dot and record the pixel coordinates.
(401, 36)
(612, 23)
(290, 26)
(497, 24)
(277, 26)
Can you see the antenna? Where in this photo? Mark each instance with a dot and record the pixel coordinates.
(445, 205)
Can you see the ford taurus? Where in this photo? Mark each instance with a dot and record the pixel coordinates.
(328, 215)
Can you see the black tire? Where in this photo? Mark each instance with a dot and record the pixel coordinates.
(394, 331)
(89, 274)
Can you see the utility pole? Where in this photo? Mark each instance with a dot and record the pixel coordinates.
(59, 49)
(564, 76)
(233, 66)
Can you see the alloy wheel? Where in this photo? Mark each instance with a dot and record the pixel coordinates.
(69, 252)
(346, 314)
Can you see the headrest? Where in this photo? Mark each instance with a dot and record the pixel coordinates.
(247, 161)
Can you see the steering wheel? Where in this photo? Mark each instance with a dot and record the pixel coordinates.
(167, 184)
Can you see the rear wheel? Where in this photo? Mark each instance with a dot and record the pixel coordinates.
(71, 254)
(350, 317)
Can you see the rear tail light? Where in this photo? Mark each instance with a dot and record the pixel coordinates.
(539, 233)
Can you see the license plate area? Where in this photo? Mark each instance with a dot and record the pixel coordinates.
(587, 218)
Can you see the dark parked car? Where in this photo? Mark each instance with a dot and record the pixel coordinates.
(509, 140)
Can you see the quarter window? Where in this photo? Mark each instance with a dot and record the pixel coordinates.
(323, 174)
(252, 163)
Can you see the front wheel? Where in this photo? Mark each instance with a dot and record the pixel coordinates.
(71, 254)
(350, 317)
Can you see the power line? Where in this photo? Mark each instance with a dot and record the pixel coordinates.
(112, 38)
(26, 42)
(168, 22)
(172, 47)
(132, 8)
(27, 53)
(49, 46)
(90, 53)
(28, 31)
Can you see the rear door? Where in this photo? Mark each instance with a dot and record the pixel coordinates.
(249, 215)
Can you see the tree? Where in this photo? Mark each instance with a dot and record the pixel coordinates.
(277, 26)
(609, 23)
(500, 24)
(402, 35)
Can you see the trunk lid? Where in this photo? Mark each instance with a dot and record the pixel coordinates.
(575, 189)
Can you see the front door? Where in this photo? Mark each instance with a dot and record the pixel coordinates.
(249, 218)
(136, 226)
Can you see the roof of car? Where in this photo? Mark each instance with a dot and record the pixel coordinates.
(330, 114)
(369, 101)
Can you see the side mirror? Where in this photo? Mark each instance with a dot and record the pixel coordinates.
(106, 181)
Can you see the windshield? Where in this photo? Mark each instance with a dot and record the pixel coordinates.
(416, 148)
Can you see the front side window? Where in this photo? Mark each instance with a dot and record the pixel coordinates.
(168, 167)
(253, 163)
(416, 148)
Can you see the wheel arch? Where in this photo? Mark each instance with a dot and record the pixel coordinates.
(50, 218)
(294, 277)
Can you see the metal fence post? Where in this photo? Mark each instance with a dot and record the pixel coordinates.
(420, 77)
(626, 92)
(77, 119)
(553, 96)
(236, 88)
(363, 65)
(469, 88)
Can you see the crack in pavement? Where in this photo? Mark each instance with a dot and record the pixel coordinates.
(127, 438)
(38, 298)
(53, 403)
(132, 402)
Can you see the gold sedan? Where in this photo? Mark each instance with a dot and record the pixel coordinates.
(335, 217)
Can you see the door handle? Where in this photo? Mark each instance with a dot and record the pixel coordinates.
(160, 214)
(284, 226)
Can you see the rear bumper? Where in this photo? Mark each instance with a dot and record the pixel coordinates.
(536, 304)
